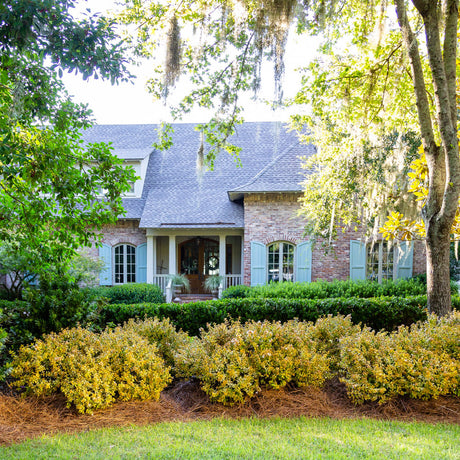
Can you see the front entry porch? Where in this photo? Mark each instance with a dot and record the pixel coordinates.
(196, 255)
(198, 260)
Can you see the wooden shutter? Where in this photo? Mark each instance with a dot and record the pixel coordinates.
(405, 259)
(357, 260)
(105, 254)
(303, 262)
(258, 263)
(141, 263)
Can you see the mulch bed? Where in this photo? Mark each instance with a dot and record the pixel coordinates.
(22, 418)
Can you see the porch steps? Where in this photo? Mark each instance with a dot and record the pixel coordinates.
(187, 298)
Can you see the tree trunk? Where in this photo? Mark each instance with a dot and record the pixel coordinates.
(438, 272)
(443, 160)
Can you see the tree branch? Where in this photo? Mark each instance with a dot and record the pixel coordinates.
(411, 45)
(445, 99)
(450, 53)
(436, 162)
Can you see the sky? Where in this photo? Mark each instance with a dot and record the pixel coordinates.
(130, 103)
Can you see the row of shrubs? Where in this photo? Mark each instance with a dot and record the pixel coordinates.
(233, 361)
(148, 293)
(58, 304)
(23, 324)
(378, 313)
(332, 289)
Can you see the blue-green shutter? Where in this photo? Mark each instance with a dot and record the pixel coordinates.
(303, 262)
(258, 263)
(405, 259)
(105, 254)
(141, 263)
(357, 260)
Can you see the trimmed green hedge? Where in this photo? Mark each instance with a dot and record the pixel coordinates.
(131, 293)
(326, 289)
(378, 313)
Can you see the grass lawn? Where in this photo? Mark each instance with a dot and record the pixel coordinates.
(300, 438)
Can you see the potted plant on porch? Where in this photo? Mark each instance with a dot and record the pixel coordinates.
(212, 284)
(179, 282)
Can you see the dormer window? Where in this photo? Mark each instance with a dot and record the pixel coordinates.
(132, 189)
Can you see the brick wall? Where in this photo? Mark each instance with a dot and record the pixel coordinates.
(273, 217)
(125, 231)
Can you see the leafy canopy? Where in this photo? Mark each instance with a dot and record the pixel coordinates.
(49, 179)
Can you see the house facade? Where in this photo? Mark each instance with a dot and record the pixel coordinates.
(239, 221)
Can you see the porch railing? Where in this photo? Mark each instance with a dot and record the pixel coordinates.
(162, 281)
(232, 280)
(165, 285)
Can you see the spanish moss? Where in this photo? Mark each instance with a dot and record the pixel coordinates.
(173, 53)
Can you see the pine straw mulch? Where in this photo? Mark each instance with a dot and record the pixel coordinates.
(22, 418)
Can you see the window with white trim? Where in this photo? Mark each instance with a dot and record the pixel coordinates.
(124, 264)
(280, 262)
(380, 261)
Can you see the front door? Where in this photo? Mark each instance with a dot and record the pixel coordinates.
(199, 258)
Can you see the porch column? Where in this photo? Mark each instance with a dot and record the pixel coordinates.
(154, 265)
(242, 260)
(222, 254)
(150, 259)
(172, 254)
(222, 263)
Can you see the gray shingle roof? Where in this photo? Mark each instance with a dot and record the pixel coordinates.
(129, 142)
(177, 195)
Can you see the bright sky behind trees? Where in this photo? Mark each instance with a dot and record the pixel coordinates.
(130, 102)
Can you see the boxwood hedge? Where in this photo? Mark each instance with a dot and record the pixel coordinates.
(378, 313)
(326, 289)
(130, 293)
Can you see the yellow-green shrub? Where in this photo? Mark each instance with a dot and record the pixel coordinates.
(137, 368)
(410, 362)
(234, 361)
(442, 334)
(327, 332)
(91, 370)
(363, 362)
(163, 334)
(40, 366)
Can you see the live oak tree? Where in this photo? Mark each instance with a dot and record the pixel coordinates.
(381, 102)
(49, 179)
(385, 82)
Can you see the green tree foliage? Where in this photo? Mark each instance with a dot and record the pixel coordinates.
(384, 83)
(397, 77)
(49, 179)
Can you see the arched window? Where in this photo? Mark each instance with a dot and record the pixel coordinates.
(280, 262)
(125, 264)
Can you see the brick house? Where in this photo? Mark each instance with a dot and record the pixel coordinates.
(240, 222)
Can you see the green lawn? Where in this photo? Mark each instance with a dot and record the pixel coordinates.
(252, 439)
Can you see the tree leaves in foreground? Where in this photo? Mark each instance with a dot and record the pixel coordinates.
(49, 179)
